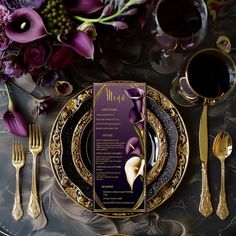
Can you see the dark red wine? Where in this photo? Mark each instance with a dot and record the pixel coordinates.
(209, 74)
(179, 18)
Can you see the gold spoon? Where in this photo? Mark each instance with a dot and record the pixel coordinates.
(222, 148)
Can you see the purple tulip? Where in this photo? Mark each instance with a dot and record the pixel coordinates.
(80, 42)
(83, 6)
(15, 123)
(133, 147)
(25, 25)
(137, 95)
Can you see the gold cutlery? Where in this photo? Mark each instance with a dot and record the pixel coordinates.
(222, 148)
(18, 161)
(205, 206)
(35, 147)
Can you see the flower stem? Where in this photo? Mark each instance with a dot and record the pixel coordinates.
(10, 103)
(104, 19)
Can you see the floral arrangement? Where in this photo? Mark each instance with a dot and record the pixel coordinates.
(41, 38)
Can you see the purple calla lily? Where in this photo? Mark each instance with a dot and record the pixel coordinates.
(25, 25)
(80, 42)
(136, 118)
(83, 6)
(136, 94)
(133, 147)
(15, 123)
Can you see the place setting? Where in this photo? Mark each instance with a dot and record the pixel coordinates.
(99, 102)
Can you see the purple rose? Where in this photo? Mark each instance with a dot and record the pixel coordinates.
(36, 54)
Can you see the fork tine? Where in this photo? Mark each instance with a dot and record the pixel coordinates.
(30, 135)
(22, 152)
(33, 135)
(17, 151)
(13, 150)
(40, 136)
(36, 135)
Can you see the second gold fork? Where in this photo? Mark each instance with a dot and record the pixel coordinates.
(35, 147)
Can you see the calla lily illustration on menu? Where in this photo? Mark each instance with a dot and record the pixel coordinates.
(133, 147)
(135, 165)
(136, 114)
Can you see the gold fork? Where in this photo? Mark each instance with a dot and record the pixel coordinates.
(35, 147)
(18, 161)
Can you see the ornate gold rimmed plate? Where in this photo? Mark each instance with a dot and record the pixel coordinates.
(74, 124)
(82, 139)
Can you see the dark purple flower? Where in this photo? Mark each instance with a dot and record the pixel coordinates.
(44, 104)
(15, 4)
(49, 78)
(15, 123)
(3, 78)
(13, 68)
(61, 58)
(25, 25)
(36, 54)
(133, 147)
(80, 42)
(83, 6)
(4, 40)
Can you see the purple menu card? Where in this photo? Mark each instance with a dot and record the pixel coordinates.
(119, 139)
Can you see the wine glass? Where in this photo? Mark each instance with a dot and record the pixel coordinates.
(209, 76)
(179, 25)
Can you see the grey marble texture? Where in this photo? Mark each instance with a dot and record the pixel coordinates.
(179, 215)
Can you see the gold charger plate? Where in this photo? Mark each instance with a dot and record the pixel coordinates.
(159, 192)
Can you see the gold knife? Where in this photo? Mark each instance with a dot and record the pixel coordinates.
(205, 206)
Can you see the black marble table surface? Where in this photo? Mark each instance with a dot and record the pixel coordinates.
(179, 215)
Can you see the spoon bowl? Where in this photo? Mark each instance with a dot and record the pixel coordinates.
(222, 148)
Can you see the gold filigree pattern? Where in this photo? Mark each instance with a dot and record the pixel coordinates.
(76, 147)
(76, 194)
(162, 147)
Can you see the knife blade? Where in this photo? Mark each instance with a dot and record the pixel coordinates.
(205, 206)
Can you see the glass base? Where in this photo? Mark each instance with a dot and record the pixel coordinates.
(165, 65)
(177, 96)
